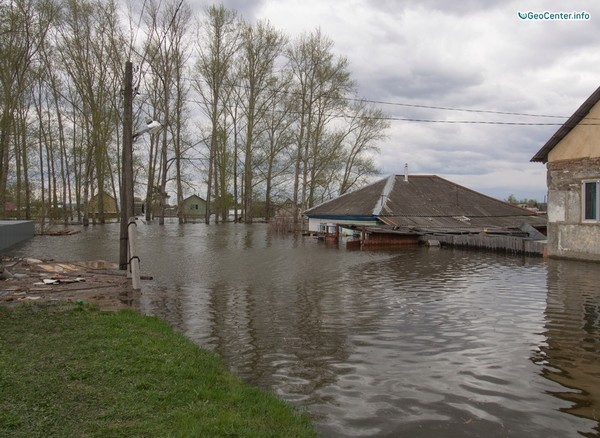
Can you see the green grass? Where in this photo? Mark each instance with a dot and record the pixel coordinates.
(84, 373)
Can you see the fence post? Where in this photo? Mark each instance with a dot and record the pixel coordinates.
(134, 260)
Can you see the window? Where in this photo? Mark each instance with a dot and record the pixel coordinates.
(591, 190)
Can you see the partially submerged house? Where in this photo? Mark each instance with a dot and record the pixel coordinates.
(403, 207)
(284, 216)
(285, 209)
(194, 207)
(572, 158)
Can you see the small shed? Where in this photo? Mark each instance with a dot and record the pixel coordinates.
(194, 207)
(108, 202)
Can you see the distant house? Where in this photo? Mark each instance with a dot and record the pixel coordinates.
(572, 157)
(286, 209)
(420, 204)
(194, 207)
(109, 205)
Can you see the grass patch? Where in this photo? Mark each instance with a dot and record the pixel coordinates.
(84, 373)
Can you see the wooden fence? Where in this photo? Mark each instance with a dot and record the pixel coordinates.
(508, 244)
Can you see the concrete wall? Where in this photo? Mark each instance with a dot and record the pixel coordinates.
(13, 232)
(568, 235)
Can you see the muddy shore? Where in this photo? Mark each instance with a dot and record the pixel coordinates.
(99, 283)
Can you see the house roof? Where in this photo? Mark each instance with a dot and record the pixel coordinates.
(463, 222)
(104, 194)
(574, 120)
(357, 203)
(194, 197)
(424, 201)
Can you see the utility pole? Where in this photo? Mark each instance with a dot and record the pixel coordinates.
(126, 166)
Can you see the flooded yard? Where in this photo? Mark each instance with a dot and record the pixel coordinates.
(412, 342)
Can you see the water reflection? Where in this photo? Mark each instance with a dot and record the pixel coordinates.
(417, 342)
(570, 356)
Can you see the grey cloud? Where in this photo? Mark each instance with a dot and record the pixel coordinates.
(246, 9)
(438, 81)
(425, 84)
(450, 7)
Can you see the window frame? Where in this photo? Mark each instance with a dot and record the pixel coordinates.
(584, 204)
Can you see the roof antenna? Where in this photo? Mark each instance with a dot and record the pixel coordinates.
(405, 172)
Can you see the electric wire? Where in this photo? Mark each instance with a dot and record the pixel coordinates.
(437, 108)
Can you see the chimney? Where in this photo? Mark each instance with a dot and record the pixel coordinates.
(406, 172)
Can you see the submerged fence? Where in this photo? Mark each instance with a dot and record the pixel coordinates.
(508, 244)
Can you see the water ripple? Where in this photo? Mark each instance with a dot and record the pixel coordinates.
(411, 342)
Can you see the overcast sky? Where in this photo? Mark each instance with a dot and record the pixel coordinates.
(469, 54)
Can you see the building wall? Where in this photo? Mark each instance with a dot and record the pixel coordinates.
(390, 239)
(581, 142)
(568, 235)
(314, 223)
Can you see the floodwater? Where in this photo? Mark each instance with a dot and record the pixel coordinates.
(413, 342)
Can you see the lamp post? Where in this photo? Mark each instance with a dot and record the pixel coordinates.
(152, 127)
(126, 165)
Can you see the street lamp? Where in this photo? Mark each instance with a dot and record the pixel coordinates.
(152, 126)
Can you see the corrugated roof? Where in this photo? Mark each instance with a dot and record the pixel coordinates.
(574, 120)
(361, 202)
(462, 223)
(425, 196)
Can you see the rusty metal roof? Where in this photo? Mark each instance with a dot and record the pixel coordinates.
(574, 120)
(420, 200)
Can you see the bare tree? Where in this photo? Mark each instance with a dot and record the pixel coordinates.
(329, 85)
(278, 138)
(366, 127)
(217, 48)
(322, 80)
(166, 59)
(272, 129)
(90, 52)
(51, 77)
(179, 61)
(23, 28)
(261, 46)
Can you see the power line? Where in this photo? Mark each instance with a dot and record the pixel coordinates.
(438, 121)
(449, 122)
(433, 107)
(422, 106)
(473, 122)
(410, 105)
